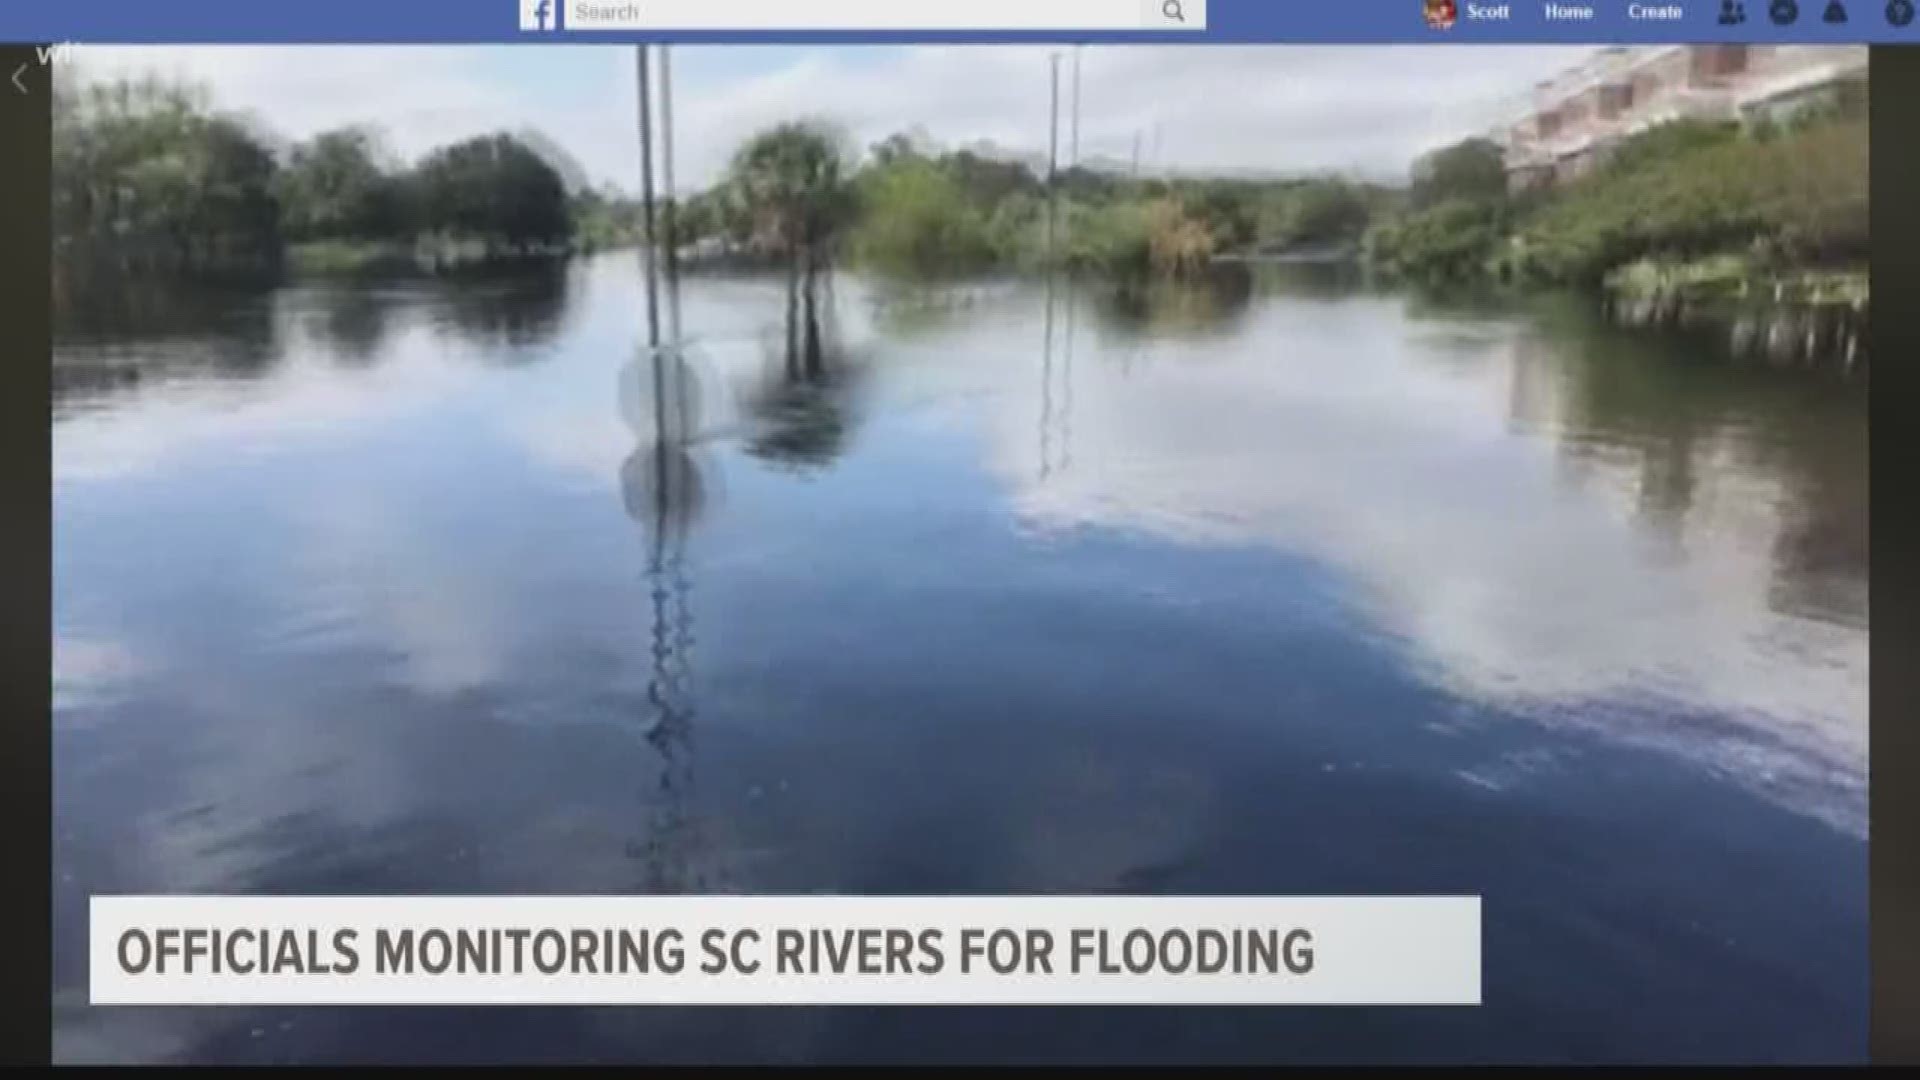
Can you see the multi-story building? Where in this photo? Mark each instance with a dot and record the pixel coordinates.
(1571, 121)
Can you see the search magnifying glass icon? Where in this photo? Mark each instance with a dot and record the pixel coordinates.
(1170, 9)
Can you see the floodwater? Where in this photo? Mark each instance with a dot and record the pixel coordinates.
(1272, 586)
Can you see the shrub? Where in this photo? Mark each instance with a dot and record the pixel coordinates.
(1448, 241)
(1799, 197)
(914, 218)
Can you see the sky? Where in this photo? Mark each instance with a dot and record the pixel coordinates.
(1271, 110)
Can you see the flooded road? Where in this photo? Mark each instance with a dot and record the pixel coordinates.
(1273, 586)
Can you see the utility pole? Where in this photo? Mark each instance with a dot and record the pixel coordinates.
(1053, 146)
(646, 195)
(666, 155)
(672, 222)
(1073, 154)
(1053, 122)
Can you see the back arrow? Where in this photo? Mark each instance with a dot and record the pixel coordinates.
(17, 84)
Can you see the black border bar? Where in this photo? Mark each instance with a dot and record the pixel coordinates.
(1894, 579)
(26, 462)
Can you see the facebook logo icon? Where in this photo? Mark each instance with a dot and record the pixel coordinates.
(539, 14)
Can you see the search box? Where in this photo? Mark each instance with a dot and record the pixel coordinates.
(1173, 15)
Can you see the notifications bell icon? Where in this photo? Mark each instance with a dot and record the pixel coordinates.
(1836, 12)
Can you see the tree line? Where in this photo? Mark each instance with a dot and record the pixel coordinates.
(147, 172)
(1761, 197)
(904, 207)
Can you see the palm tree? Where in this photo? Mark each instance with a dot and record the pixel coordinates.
(789, 182)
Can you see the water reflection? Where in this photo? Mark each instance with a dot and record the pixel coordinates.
(115, 331)
(1678, 417)
(663, 482)
(1322, 280)
(1056, 389)
(93, 303)
(1211, 304)
(1830, 338)
(119, 335)
(664, 490)
(1696, 544)
(351, 319)
(909, 308)
(804, 402)
(508, 311)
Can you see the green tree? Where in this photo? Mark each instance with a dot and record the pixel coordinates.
(1227, 208)
(893, 149)
(1140, 238)
(789, 182)
(492, 187)
(333, 187)
(914, 216)
(1449, 241)
(985, 182)
(1314, 212)
(232, 176)
(143, 170)
(1473, 170)
(603, 218)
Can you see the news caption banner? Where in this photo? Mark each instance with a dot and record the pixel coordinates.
(784, 950)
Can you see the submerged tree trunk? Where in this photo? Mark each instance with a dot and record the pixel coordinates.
(812, 330)
(792, 355)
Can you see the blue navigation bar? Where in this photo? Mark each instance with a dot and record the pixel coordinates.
(1296, 21)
